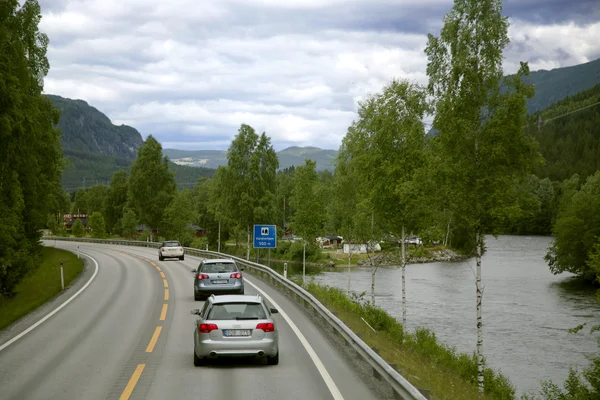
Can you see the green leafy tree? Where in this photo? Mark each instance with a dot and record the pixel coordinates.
(285, 186)
(483, 150)
(96, 225)
(576, 230)
(389, 146)
(211, 217)
(52, 224)
(129, 223)
(115, 200)
(309, 218)
(96, 198)
(151, 183)
(31, 160)
(178, 216)
(249, 180)
(77, 228)
(79, 205)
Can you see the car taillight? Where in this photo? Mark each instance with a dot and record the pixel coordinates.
(266, 326)
(207, 328)
(181, 249)
(203, 276)
(237, 275)
(162, 249)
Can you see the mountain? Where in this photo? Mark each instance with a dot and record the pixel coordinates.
(85, 129)
(287, 157)
(95, 148)
(297, 155)
(557, 84)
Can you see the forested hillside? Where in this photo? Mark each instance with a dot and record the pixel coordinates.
(85, 129)
(569, 136)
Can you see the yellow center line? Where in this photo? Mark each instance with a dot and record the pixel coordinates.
(157, 268)
(166, 294)
(162, 275)
(154, 339)
(163, 314)
(165, 283)
(154, 264)
(132, 382)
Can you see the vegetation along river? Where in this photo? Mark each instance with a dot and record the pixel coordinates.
(527, 311)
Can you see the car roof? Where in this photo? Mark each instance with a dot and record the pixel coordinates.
(218, 260)
(233, 298)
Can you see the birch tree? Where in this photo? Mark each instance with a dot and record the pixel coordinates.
(483, 150)
(385, 147)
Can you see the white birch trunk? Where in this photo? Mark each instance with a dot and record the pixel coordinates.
(403, 280)
(304, 265)
(349, 260)
(480, 365)
(372, 285)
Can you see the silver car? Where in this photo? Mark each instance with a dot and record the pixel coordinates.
(235, 326)
(170, 249)
(217, 276)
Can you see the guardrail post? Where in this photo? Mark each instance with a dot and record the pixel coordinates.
(77, 251)
(285, 270)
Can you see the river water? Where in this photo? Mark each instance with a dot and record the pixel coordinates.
(527, 311)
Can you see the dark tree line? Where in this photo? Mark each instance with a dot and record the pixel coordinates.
(31, 159)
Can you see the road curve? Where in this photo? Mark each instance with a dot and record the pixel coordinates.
(129, 335)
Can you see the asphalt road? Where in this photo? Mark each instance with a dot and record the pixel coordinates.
(128, 334)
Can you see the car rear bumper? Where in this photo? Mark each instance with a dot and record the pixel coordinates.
(238, 348)
(205, 290)
(171, 254)
(208, 290)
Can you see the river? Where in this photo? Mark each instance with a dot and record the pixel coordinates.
(527, 311)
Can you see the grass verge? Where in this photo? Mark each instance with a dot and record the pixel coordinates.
(418, 356)
(41, 285)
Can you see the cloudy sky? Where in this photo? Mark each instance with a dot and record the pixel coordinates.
(190, 72)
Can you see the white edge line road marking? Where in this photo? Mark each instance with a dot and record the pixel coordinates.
(57, 309)
(335, 392)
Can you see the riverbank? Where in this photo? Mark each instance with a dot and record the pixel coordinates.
(420, 357)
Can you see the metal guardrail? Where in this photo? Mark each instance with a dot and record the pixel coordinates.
(401, 388)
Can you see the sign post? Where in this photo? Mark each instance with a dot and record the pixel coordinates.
(265, 236)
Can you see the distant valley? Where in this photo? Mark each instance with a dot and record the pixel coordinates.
(291, 156)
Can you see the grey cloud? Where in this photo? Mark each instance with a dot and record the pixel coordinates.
(554, 11)
(189, 73)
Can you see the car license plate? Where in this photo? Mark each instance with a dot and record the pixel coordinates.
(220, 281)
(236, 332)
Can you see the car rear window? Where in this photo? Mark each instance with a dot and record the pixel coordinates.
(226, 311)
(172, 244)
(219, 268)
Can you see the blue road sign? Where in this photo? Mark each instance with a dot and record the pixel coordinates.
(265, 236)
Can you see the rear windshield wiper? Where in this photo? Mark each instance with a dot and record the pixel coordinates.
(241, 318)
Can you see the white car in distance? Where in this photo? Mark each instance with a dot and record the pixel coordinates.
(170, 249)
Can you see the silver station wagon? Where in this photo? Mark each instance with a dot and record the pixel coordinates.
(217, 276)
(235, 326)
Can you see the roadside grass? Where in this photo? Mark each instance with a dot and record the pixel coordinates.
(419, 356)
(41, 285)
